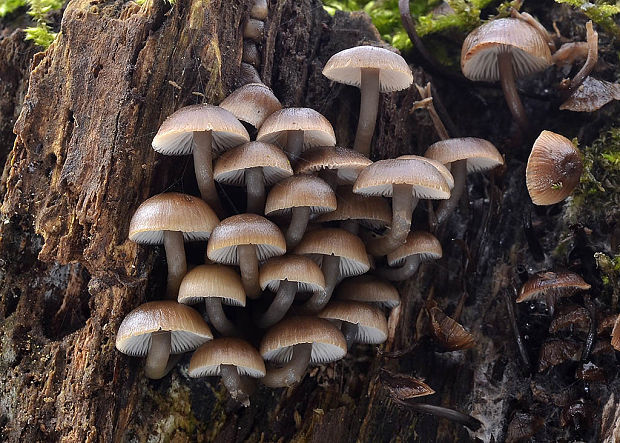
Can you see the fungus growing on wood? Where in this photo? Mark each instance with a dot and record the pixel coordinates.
(360, 322)
(551, 286)
(405, 260)
(335, 165)
(368, 289)
(448, 332)
(252, 103)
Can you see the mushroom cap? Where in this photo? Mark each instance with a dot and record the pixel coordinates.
(300, 191)
(530, 52)
(338, 242)
(317, 129)
(368, 289)
(553, 169)
(205, 281)
(372, 325)
(187, 328)
(425, 180)
(172, 211)
(328, 343)
(175, 135)
(372, 212)
(245, 229)
(445, 172)
(231, 166)
(346, 67)
(554, 283)
(448, 332)
(421, 243)
(347, 162)
(293, 268)
(480, 154)
(252, 103)
(207, 359)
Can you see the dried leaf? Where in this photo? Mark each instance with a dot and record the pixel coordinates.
(593, 94)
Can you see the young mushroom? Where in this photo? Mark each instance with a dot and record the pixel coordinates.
(170, 219)
(420, 246)
(551, 286)
(157, 330)
(360, 322)
(252, 103)
(368, 289)
(334, 164)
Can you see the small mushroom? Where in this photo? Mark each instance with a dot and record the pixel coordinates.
(334, 164)
(368, 289)
(551, 286)
(259, 10)
(448, 332)
(360, 322)
(420, 246)
(252, 103)
(254, 29)
(591, 96)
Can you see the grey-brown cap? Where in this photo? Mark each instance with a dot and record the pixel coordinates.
(372, 212)
(175, 135)
(480, 154)
(345, 67)
(328, 343)
(554, 283)
(293, 268)
(245, 229)
(187, 328)
(300, 191)
(317, 129)
(346, 162)
(368, 289)
(231, 166)
(252, 103)
(172, 212)
(421, 243)
(208, 359)
(445, 172)
(372, 325)
(205, 281)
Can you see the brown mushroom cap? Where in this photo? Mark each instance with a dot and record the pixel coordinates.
(245, 229)
(445, 172)
(175, 135)
(172, 212)
(230, 167)
(530, 52)
(480, 154)
(207, 281)
(317, 129)
(347, 162)
(208, 358)
(345, 67)
(293, 268)
(187, 328)
(372, 212)
(553, 169)
(368, 289)
(300, 191)
(372, 325)
(252, 103)
(556, 283)
(421, 243)
(328, 343)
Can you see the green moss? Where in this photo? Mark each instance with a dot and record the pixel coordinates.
(39, 10)
(8, 6)
(599, 11)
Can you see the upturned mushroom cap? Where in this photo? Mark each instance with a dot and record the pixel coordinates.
(230, 167)
(328, 343)
(347, 162)
(481, 155)
(252, 103)
(368, 289)
(553, 169)
(555, 283)
(372, 212)
(300, 191)
(345, 67)
(372, 325)
(245, 229)
(445, 172)
(175, 135)
(378, 179)
(317, 129)
(530, 52)
(338, 242)
(187, 328)
(208, 359)
(206, 281)
(421, 243)
(293, 268)
(172, 212)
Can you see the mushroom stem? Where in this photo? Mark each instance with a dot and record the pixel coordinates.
(404, 272)
(255, 185)
(177, 266)
(239, 387)
(203, 167)
(331, 271)
(156, 360)
(507, 77)
(447, 207)
(297, 228)
(218, 318)
(591, 60)
(403, 205)
(248, 265)
(293, 371)
(280, 304)
(369, 106)
(350, 331)
(294, 144)
(450, 414)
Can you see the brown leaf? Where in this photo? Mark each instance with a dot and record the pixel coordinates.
(450, 334)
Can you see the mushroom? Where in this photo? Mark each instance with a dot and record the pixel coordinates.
(420, 246)
(158, 329)
(254, 29)
(552, 286)
(368, 289)
(259, 10)
(373, 70)
(505, 49)
(170, 219)
(287, 276)
(199, 129)
(592, 95)
(297, 342)
(252, 103)
(448, 332)
(253, 165)
(334, 164)
(244, 240)
(233, 359)
(405, 181)
(360, 322)
(215, 285)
